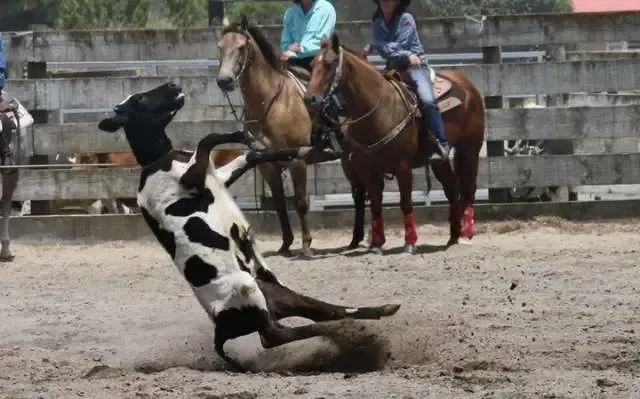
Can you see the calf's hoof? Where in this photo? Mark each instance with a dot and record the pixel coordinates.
(389, 310)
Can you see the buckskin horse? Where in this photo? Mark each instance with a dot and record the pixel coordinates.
(274, 106)
(384, 134)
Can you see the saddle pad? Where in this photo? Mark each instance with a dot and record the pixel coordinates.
(301, 85)
(441, 86)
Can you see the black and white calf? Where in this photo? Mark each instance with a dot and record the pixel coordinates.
(185, 202)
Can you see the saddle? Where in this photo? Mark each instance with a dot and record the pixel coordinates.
(300, 73)
(448, 93)
(300, 77)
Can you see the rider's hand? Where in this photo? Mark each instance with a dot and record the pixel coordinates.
(367, 49)
(295, 47)
(415, 60)
(286, 55)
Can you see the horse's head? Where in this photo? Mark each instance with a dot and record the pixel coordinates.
(234, 50)
(326, 73)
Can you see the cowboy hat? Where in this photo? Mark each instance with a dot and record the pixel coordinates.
(404, 3)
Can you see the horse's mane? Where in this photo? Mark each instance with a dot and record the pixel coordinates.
(267, 50)
(358, 57)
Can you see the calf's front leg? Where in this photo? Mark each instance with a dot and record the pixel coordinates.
(232, 171)
(195, 176)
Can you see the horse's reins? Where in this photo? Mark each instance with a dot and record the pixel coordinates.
(248, 56)
(237, 78)
(337, 78)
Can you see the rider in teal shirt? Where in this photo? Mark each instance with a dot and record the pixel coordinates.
(305, 24)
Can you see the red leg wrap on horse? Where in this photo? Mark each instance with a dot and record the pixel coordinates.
(410, 233)
(377, 231)
(468, 221)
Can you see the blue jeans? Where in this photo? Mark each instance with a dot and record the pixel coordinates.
(427, 99)
(1, 78)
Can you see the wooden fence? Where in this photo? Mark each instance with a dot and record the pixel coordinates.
(575, 73)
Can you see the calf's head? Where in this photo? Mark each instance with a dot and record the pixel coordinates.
(144, 117)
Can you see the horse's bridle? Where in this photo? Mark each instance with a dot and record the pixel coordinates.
(337, 78)
(333, 89)
(248, 57)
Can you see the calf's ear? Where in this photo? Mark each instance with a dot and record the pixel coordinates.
(113, 123)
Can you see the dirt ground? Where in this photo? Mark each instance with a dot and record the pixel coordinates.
(545, 309)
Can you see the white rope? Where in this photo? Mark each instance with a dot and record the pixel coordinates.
(480, 22)
(68, 165)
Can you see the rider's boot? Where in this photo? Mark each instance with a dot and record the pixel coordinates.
(432, 115)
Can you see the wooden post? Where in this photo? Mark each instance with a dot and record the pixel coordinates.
(493, 55)
(559, 147)
(216, 12)
(38, 70)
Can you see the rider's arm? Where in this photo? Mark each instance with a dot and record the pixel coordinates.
(321, 24)
(286, 39)
(2, 63)
(397, 49)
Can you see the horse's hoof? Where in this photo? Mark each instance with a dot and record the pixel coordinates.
(465, 241)
(410, 249)
(307, 253)
(376, 250)
(452, 241)
(284, 252)
(7, 258)
(353, 245)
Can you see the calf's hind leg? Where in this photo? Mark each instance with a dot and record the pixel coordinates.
(283, 302)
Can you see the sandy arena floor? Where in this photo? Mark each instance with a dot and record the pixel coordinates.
(546, 309)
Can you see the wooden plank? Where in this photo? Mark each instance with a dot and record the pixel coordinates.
(576, 123)
(508, 172)
(602, 55)
(94, 183)
(131, 227)
(497, 172)
(85, 137)
(491, 80)
(439, 33)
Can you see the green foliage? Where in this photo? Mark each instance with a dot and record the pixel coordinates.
(86, 14)
(80, 14)
(259, 13)
(438, 8)
(363, 9)
(187, 13)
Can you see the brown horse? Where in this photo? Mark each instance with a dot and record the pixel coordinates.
(384, 134)
(275, 113)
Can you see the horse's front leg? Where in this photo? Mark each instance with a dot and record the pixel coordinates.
(405, 184)
(375, 187)
(299, 177)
